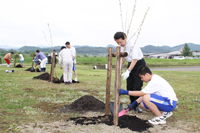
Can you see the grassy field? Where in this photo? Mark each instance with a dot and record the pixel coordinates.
(151, 62)
(24, 99)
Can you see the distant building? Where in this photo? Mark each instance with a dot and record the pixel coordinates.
(169, 55)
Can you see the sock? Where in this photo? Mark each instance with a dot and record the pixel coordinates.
(123, 92)
(76, 79)
(44, 69)
(135, 103)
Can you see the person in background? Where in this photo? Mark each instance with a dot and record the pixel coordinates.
(55, 57)
(135, 60)
(158, 96)
(7, 57)
(74, 59)
(66, 62)
(21, 58)
(43, 59)
(49, 58)
(37, 62)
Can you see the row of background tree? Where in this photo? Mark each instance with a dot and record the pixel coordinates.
(102, 51)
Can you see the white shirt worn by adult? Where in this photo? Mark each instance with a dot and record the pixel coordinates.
(21, 57)
(52, 54)
(159, 86)
(65, 54)
(73, 50)
(134, 51)
(65, 61)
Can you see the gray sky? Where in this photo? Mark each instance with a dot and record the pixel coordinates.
(94, 22)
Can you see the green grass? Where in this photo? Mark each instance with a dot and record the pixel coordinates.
(24, 99)
(151, 62)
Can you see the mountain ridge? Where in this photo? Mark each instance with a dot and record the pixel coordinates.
(103, 50)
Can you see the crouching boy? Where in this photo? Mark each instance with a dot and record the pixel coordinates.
(158, 96)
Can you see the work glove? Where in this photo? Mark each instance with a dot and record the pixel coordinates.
(123, 92)
(74, 61)
(11, 59)
(131, 106)
(126, 74)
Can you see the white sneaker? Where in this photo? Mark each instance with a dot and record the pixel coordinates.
(157, 120)
(167, 114)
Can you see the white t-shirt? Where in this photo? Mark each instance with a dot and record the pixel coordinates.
(65, 55)
(134, 51)
(21, 57)
(159, 86)
(73, 50)
(52, 54)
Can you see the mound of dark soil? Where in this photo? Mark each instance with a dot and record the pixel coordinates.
(37, 70)
(89, 103)
(131, 122)
(18, 66)
(44, 76)
(56, 80)
(62, 81)
(85, 103)
(31, 70)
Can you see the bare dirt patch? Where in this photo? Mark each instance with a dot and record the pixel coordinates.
(93, 120)
(18, 66)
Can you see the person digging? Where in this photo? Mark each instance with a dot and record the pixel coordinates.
(7, 57)
(158, 96)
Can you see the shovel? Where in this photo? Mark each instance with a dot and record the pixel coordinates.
(32, 69)
(123, 112)
(112, 107)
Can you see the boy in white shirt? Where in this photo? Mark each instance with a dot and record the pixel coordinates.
(21, 58)
(157, 96)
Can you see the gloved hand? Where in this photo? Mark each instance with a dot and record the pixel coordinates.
(11, 59)
(123, 92)
(74, 61)
(126, 74)
(132, 105)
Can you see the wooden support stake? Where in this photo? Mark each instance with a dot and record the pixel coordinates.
(108, 84)
(123, 54)
(117, 85)
(15, 60)
(52, 68)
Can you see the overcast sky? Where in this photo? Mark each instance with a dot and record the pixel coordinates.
(94, 22)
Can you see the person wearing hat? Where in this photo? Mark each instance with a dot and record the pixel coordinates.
(7, 57)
